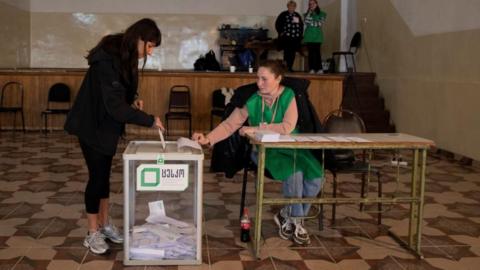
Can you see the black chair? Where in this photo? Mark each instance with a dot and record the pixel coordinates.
(218, 105)
(179, 107)
(11, 101)
(343, 160)
(354, 45)
(58, 102)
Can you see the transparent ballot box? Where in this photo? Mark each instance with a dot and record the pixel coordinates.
(162, 204)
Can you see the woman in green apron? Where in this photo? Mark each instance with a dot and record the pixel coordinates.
(273, 107)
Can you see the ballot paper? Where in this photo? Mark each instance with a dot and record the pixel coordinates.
(264, 135)
(161, 138)
(185, 142)
(300, 138)
(163, 237)
(357, 139)
(338, 138)
(319, 138)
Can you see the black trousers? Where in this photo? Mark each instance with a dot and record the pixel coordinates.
(98, 186)
(290, 47)
(314, 56)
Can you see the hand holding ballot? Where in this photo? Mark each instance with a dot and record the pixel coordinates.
(158, 124)
(200, 138)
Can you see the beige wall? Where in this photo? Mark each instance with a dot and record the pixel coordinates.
(14, 37)
(185, 37)
(430, 82)
(58, 35)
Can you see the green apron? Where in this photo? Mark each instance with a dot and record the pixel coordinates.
(281, 162)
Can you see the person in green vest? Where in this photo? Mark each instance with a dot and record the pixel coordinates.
(273, 107)
(313, 35)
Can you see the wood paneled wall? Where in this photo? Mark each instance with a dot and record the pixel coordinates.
(325, 93)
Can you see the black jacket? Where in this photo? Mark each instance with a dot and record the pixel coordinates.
(101, 109)
(281, 21)
(231, 154)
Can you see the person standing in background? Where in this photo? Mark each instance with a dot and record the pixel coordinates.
(313, 36)
(106, 101)
(289, 26)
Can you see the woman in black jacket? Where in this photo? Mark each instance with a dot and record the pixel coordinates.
(289, 26)
(105, 102)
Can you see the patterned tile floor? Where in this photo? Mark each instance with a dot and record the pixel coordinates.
(42, 221)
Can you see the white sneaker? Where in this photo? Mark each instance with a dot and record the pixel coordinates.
(96, 243)
(300, 235)
(112, 233)
(312, 71)
(320, 72)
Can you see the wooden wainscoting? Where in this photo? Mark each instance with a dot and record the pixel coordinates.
(325, 93)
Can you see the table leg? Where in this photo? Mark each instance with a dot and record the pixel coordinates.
(413, 205)
(258, 213)
(421, 193)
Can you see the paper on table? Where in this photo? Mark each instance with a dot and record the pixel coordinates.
(182, 142)
(286, 138)
(161, 138)
(357, 139)
(300, 138)
(319, 138)
(338, 138)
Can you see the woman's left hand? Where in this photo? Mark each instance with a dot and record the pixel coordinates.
(245, 130)
(138, 104)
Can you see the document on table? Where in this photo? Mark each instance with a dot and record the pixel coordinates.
(338, 138)
(319, 138)
(357, 139)
(299, 138)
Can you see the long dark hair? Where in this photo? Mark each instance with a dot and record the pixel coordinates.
(316, 11)
(125, 47)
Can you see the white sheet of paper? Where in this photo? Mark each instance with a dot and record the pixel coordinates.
(338, 138)
(286, 138)
(157, 208)
(319, 139)
(357, 139)
(185, 142)
(161, 138)
(303, 139)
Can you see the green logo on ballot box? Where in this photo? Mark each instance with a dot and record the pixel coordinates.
(162, 177)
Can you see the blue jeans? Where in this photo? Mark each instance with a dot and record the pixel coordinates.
(296, 186)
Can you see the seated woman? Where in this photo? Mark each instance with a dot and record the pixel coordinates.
(273, 107)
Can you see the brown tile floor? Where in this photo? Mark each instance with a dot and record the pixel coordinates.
(42, 221)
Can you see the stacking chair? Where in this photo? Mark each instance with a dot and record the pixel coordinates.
(11, 101)
(343, 160)
(179, 107)
(354, 45)
(218, 105)
(58, 102)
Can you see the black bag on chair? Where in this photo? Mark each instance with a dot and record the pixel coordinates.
(211, 62)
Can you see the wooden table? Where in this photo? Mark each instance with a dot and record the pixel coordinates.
(392, 141)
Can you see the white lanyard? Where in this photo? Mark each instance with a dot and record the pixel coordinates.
(274, 109)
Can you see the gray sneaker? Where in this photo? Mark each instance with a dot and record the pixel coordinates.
(96, 243)
(111, 232)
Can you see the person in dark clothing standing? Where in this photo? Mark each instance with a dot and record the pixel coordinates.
(289, 26)
(105, 102)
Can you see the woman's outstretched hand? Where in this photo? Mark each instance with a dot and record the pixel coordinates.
(200, 138)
